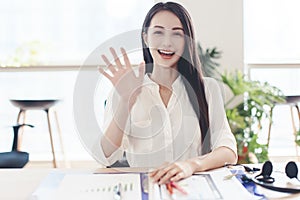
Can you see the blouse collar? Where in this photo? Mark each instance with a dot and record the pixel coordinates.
(176, 86)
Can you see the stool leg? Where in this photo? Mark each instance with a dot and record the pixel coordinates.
(270, 125)
(298, 111)
(293, 121)
(19, 116)
(294, 129)
(21, 130)
(61, 140)
(51, 139)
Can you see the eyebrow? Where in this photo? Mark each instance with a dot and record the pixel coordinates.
(174, 28)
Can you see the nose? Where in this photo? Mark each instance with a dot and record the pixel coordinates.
(167, 40)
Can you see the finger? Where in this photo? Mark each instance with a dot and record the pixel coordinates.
(116, 58)
(170, 174)
(178, 177)
(142, 70)
(160, 174)
(126, 59)
(109, 65)
(101, 70)
(153, 173)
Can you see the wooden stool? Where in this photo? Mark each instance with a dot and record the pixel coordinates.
(292, 102)
(44, 105)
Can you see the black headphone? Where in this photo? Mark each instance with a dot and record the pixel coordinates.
(265, 175)
(264, 179)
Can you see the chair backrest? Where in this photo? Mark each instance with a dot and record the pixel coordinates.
(16, 135)
(14, 158)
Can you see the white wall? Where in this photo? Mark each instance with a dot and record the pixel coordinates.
(219, 24)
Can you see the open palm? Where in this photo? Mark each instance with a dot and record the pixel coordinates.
(123, 78)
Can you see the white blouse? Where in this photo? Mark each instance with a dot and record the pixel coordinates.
(156, 134)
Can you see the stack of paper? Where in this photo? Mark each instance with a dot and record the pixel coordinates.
(205, 186)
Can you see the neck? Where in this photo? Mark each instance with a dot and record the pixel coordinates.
(164, 76)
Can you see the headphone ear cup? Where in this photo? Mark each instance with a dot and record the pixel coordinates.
(267, 169)
(291, 170)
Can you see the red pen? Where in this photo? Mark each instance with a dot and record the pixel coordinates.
(176, 186)
(169, 188)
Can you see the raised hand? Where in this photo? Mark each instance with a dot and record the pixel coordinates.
(123, 78)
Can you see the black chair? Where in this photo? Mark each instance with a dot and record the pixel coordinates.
(120, 163)
(43, 105)
(14, 158)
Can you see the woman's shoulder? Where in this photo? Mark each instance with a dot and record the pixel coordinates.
(213, 89)
(210, 83)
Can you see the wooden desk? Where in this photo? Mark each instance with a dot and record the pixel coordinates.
(19, 184)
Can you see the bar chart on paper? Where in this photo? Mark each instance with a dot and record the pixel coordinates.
(100, 186)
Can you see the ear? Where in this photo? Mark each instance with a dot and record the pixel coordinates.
(145, 38)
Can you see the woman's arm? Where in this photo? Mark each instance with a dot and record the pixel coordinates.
(127, 86)
(112, 138)
(215, 159)
(183, 169)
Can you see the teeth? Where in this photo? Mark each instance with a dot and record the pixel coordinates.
(166, 52)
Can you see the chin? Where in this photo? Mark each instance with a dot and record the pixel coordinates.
(167, 64)
(171, 63)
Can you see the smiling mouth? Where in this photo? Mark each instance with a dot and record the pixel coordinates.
(166, 53)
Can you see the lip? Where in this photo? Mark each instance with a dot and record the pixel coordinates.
(166, 54)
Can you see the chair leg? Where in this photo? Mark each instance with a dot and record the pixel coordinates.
(51, 139)
(67, 165)
(270, 125)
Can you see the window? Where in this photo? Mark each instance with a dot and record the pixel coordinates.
(272, 54)
(271, 31)
(42, 32)
(58, 32)
(272, 42)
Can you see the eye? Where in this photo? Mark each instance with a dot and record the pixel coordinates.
(157, 32)
(178, 34)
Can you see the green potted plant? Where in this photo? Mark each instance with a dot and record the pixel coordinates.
(245, 118)
(247, 113)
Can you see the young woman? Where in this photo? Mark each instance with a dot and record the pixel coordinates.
(171, 118)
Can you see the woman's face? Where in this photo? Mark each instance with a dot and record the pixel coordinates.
(165, 39)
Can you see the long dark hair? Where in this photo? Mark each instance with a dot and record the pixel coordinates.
(188, 66)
